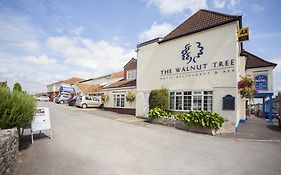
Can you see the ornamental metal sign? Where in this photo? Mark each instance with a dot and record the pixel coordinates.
(261, 82)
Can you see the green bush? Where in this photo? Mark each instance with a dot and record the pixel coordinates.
(159, 98)
(16, 109)
(195, 118)
(157, 113)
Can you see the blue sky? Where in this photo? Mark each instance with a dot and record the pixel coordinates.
(45, 41)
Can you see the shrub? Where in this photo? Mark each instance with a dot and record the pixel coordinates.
(195, 118)
(130, 97)
(16, 109)
(159, 98)
(157, 113)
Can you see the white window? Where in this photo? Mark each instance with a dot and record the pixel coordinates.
(191, 100)
(132, 74)
(119, 100)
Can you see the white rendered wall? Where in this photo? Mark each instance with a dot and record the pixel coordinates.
(220, 44)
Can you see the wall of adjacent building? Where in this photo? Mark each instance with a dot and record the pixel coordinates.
(220, 44)
(110, 93)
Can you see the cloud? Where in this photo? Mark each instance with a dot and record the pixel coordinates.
(76, 31)
(156, 30)
(42, 60)
(258, 8)
(98, 57)
(219, 3)
(18, 34)
(170, 7)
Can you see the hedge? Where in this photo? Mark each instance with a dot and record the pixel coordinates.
(159, 98)
(195, 118)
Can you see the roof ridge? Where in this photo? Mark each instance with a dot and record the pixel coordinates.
(219, 13)
(201, 20)
(259, 57)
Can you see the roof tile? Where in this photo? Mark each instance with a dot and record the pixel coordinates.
(201, 20)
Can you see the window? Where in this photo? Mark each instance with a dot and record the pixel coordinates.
(191, 100)
(132, 74)
(119, 100)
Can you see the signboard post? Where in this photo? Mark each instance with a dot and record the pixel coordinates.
(41, 121)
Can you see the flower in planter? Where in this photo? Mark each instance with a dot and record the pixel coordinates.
(104, 97)
(130, 97)
(246, 87)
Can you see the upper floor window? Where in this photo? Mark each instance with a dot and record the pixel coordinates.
(132, 74)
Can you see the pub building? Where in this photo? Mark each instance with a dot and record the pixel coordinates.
(201, 62)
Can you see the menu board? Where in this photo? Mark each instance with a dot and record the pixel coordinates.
(41, 119)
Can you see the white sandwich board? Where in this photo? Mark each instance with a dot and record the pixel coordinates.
(41, 121)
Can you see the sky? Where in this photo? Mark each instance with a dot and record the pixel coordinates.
(44, 41)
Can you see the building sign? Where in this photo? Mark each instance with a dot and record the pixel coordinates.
(188, 55)
(191, 53)
(41, 121)
(261, 82)
(243, 34)
(228, 102)
(68, 89)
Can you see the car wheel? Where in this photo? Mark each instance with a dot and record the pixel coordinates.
(61, 102)
(279, 121)
(84, 106)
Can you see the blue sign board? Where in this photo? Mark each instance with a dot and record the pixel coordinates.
(261, 82)
(66, 89)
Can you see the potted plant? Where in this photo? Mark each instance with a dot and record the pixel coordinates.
(130, 97)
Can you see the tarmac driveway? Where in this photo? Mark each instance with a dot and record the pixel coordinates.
(104, 143)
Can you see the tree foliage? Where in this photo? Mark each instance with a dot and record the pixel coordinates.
(16, 109)
(17, 87)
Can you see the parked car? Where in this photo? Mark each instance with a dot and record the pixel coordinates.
(72, 100)
(43, 98)
(55, 99)
(63, 98)
(88, 101)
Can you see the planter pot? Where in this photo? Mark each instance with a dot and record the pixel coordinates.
(182, 126)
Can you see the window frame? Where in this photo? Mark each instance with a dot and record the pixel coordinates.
(132, 74)
(187, 100)
(119, 100)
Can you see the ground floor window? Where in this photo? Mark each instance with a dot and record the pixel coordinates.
(191, 100)
(119, 100)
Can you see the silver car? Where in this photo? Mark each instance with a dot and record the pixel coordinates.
(63, 98)
(88, 101)
(43, 98)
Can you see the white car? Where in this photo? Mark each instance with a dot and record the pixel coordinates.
(88, 101)
(43, 98)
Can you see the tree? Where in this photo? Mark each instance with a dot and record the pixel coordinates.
(4, 85)
(17, 88)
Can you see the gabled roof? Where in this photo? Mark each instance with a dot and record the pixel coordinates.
(72, 80)
(131, 60)
(68, 81)
(86, 88)
(201, 20)
(254, 61)
(122, 83)
(118, 74)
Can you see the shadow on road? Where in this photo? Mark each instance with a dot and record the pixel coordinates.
(274, 128)
(25, 140)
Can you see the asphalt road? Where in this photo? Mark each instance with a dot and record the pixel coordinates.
(96, 142)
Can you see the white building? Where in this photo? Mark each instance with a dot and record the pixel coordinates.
(200, 62)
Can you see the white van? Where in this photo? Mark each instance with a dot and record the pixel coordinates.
(85, 101)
